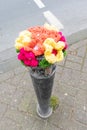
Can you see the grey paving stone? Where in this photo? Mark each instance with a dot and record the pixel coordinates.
(85, 63)
(32, 108)
(3, 108)
(80, 116)
(59, 69)
(79, 44)
(81, 97)
(70, 77)
(65, 89)
(82, 94)
(19, 117)
(51, 127)
(62, 113)
(64, 96)
(73, 47)
(70, 124)
(24, 120)
(43, 125)
(5, 76)
(80, 107)
(66, 75)
(26, 83)
(66, 99)
(72, 52)
(82, 85)
(8, 124)
(6, 92)
(73, 65)
(39, 125)
(81, 51)
(17, 97)
(15, 80)
(84, 76)
(84, 69)
(20, 69)
(28, 123)
(57, 77)
(74, 58)
(26, 102)
(56, 116)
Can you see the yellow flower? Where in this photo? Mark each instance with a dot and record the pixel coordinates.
(23, 39)
(53, 51)
(51, 27)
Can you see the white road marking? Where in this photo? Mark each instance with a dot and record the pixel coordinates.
(39, 3)
(52, 19)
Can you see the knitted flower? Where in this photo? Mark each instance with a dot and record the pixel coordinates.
(37, 49)
(39, 35)
(63, 39)
(53, 51)
(23, 39)
(41, 41)
(28, 58)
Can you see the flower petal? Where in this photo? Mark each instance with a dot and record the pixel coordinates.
(60, 45)
(23, 39)
(59, 56)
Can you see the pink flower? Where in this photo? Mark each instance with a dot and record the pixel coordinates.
(29, 55)
(28, 58)
(63, 39)
(66, 46)
(60, 33)
(27, 62)
(34, 63)
(21, 55)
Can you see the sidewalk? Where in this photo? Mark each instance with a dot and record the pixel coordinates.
(18, 99)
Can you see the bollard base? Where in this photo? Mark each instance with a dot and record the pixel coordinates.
(44, 115)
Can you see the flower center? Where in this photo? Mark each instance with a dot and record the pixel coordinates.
(54, 51)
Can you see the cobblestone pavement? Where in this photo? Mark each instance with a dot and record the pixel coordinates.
(18, 99)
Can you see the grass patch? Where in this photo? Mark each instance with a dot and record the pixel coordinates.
(54, 102)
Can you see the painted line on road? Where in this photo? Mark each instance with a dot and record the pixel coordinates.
(52, 19)
(39, 3)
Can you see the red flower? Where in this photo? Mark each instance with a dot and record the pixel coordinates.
(28, 58)
(63, 39)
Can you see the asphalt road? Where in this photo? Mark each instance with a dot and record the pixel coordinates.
(18, 15)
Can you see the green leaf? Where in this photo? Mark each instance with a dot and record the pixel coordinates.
(22, 63)
(44, 63)
(17, 50)
(65, 53)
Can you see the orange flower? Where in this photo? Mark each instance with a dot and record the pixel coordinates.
(38, 49)
(39, 35)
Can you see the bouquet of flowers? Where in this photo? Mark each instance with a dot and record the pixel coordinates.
(41, 46)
